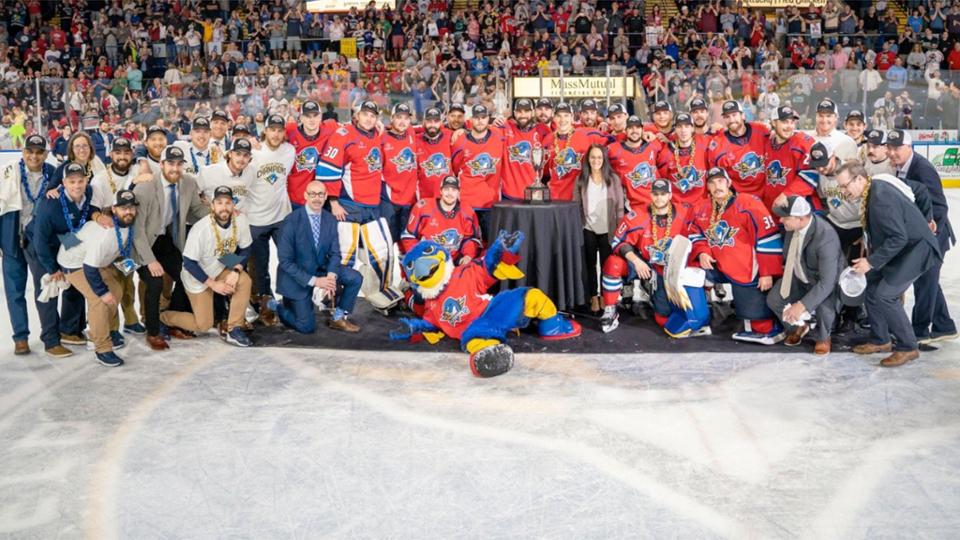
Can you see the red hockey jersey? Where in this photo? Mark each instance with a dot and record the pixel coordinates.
(784, 163)
(742, 158)
(462, 301)
(351, 165)
(686, 169)
(434, 163)
(518, 171)
(565, 156)
(307, 157)
(478, 164)
(636, 232)
(637, 169)
(745, 240)
(457, 231)
(400, 166)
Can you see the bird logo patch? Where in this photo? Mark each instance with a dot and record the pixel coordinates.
(750, 165)
(657, 252)
(374, 160)
(777, 173)
(307, 159)
(641, 176)
(687, 178)
(566, 161)
(483, 165)
(520, 152)
(454, 310)
(405, 160)
(722, 235)
(449, 239)
(436, 165)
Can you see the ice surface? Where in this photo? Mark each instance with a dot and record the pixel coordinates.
(210, 441)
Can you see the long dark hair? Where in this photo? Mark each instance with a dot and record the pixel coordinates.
(606, 171)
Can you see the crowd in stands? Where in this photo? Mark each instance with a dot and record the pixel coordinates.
(130, 62)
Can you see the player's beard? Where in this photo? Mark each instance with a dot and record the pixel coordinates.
(432, 132)
(126, 220)
(223, 216)
(121, 167)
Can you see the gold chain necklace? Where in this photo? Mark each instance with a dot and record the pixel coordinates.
(718, 208)
(863, 204)
(666, 230)
(676, 153)
(222, 247)
(558, 157)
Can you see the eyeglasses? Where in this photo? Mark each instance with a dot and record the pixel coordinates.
(316, 194)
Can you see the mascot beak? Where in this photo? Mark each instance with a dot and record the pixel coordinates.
(424, 268)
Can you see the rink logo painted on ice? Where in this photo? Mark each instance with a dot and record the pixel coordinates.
(722, 235)
(688, 178)
(454, 310)
(641, 176)
(405, 160)
(483, 164)
(307, 159)
(521, 152)
(436, 165)
(749, 165)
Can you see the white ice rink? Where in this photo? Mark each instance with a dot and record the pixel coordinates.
(211, 441)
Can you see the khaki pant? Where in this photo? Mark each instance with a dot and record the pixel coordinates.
(130, 315)
(99, 314)
(201, 319)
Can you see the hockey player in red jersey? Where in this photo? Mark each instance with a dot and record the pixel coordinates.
(700, 113)
(478, 162)
(737, 241)
(521, 137)
(739, 151)
(434, 154)
(589, 115)
(399, 168)
(445, 221)
(784, 156)
(662, 125)
(351, 166)
(307, 139)
(565, 150)
(635, 162)
(684, 162)
(640, 250)
(617, 122)
(544, 116)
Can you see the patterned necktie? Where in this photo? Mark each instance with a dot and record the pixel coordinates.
(175, 212)
(315, 226)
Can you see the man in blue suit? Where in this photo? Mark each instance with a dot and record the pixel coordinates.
(931, 318)
(309, 254)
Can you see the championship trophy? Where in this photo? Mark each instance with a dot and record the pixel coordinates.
(537, 193)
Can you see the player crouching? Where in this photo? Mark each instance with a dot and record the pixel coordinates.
(651, 245)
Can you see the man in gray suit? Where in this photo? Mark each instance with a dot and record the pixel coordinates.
(900, 248)
(807, 291)
(167, 204)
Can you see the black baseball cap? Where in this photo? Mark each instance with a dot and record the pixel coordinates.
(220, 115)
(545, 103)
(857, 114)
(122, 144)
(240, 128)
(819, 155)
(223, 191)
(827, 105)
(588, 105)
(401, 108)
(479, 111)
(73, 168)
(795, 207)
(875, 136)
(432, 113)
(172, 153)
(661, 106)
(456, 107)
(241, 145)
(35, 142)
(275, 120)
(450, 181)
(730, 107)
(156, 129)
(898, 137)
(370, 106)
(201, 122)
(716, 172)
(126, 197)
(660, 186)
(616, 108)
(523, 104)
(310, 107)
(698, 104)
(563, 106)
(786, 113)
(683, 118)
(634, 121)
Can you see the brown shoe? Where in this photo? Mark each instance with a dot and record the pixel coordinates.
(267, 316)
(21, 347)
(822, 348)
(795, 337)
(58, 351)
(343, 325)
(71, 339)
(871, 348)
(180, 333)
(157, 343)
(899, 358)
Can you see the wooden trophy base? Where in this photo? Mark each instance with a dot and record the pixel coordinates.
(536, 194)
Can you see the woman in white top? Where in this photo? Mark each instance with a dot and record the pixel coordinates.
(602, 206)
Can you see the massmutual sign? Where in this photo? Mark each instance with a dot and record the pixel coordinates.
(577, 87)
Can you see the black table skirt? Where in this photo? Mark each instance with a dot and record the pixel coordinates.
(552, 253)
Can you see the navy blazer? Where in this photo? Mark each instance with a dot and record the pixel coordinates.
(896, 230)
(300, 258)
(921, 170)
(47, 223)
(100, 144)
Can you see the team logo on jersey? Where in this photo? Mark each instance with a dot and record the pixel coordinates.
(777, 173)
(374, 160)
(641, 176)
(722, 235)
(522, 152)
(271, 172)
(566, 161)
(687, 178)
(405, 160)
(657, 252)
(483, 164)
(436, 165)
(750, 165)
(449, 239)
(834, 198)
(454, 310)
(307, 159)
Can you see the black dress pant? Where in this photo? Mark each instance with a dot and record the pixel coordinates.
(594, 245)
(170, 258)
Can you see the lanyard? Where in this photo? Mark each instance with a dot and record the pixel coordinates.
(196, 167)
(66, 213)
(124, 249)
(26, 185)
